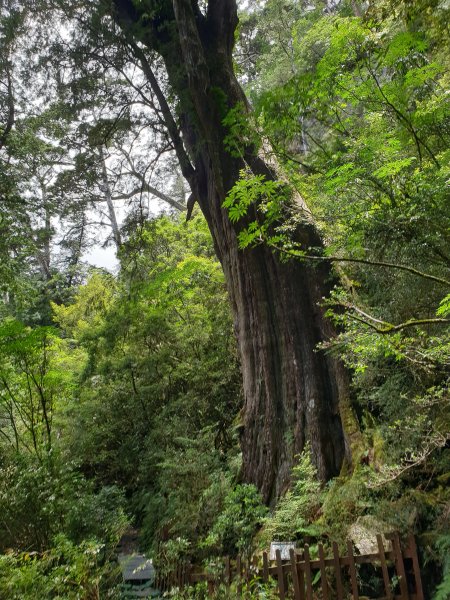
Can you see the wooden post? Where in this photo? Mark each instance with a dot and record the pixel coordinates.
(416, 567)
(352, 569)
(280, 575)
(265, 568)
(297, 595)
(301, 580)
(308, 574)
(384, 569)
(338, 572)
(400, 566)
(323, 573)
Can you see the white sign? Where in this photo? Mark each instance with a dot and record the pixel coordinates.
(283, 547)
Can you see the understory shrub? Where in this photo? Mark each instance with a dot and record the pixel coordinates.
(66, 572)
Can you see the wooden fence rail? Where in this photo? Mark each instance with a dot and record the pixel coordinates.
(398, 569)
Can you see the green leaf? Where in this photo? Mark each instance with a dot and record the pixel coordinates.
(444, 307)
(394, 167)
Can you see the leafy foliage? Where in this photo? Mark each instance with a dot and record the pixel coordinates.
(297, 509)
(39, 501)
(236, 526)
(68, 571)
(161, 381)
(443, 589)
(38, 371)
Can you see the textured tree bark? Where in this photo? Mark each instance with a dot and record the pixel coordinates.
(293, 393)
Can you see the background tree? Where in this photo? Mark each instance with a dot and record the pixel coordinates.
(162, 380)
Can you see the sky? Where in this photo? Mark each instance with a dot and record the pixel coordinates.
(102, 257)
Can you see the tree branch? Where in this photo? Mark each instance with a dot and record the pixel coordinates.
(145, 187)
(185, 164)
(390, 328)
(376, 263)
(392, 473)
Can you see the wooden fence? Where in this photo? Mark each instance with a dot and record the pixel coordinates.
(398, 569)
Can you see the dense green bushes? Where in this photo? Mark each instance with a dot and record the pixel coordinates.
(67, 571)
(41, 500)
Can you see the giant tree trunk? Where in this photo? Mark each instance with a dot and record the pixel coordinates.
(293, 393)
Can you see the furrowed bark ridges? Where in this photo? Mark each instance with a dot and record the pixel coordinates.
(292, 392)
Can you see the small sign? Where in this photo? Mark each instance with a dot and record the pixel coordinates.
(283, 547)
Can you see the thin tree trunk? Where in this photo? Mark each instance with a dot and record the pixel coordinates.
(106, 189)
(77, 252)
(44, 239)
(10, 119)
(293, 393)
